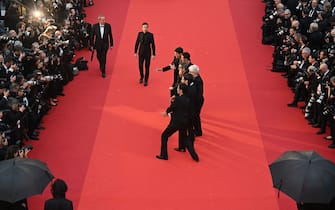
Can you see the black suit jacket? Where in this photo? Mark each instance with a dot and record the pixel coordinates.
(58, 204)
(175, 62)
(145, 44)
(199, 85)
(179, 110)
(96, 40)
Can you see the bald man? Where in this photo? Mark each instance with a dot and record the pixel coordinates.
(101, 40)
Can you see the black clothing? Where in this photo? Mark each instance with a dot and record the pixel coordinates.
(12, 18)
(199, 102)
(315, 40)
(174, 62)
(179, 110)
(58, 204)
(101, 44)
(145, 47)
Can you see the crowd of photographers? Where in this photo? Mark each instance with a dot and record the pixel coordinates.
(303, 35)
(37, 45)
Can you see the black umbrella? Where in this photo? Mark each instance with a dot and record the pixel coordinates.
(305, 176)
(21, 178)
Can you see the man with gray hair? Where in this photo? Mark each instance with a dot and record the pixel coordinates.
(101, 39)
(199, 101)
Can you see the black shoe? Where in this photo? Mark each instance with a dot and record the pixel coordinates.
(161, 157)
(145, 83)
(141, 81)
(196, 159)
(103, 75)
(180, 150)
(292, 105)
(331, 146)
(320, 132)
(34, 138)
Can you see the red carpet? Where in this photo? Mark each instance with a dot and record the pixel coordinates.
(103, 137)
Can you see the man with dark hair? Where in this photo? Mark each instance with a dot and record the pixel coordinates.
(101, 39)
(179, 110)
(145, 49)
(186, 60)
(174, 65)
(59, 201)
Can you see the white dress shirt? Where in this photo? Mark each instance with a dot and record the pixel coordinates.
(102, 31)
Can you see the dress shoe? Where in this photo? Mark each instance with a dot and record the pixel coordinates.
(196, 159)
(145, 83)
(103, 75)
(161, 157)
(32, 137)
(292, 105)
(320, 132)
(180, 150)
(331, 146)
(329, 138)
(141, 81)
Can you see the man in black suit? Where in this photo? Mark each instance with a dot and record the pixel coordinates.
(59, 201)
(101, 40)
(145, 49)
(199, 99)
(179, 110)
(174, 65)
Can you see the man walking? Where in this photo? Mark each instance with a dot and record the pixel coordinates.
(101, 39)
(145, 49)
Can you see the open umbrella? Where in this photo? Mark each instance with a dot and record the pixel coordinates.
(305, 176)
(21, 178)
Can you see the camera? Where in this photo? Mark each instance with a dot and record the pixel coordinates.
(28, 147)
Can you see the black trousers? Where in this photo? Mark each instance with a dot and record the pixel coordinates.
(189, 143)
(102, 55)
(171, 129)
(144, 60)
(197, 120)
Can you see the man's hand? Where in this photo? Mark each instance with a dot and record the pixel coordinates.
(164, 114)
(135, 55)
(153, 57)
(91, 48)
(159, 69)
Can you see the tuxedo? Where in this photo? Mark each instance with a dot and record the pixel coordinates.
(145, 47)
(101, 39)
